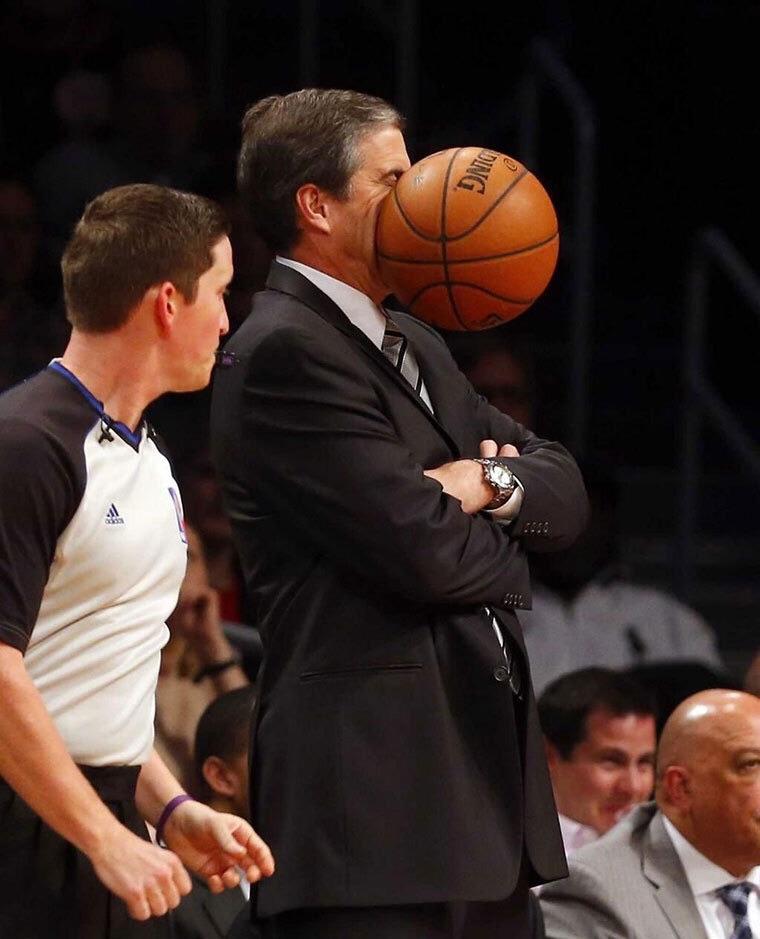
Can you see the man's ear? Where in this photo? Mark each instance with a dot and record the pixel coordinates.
(165, 306)
(675, 787)
(552, 753)
(218, 776)
(312, 208)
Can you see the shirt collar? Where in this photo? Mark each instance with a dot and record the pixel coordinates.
(703, 875)
(575, 834)
(357, 306)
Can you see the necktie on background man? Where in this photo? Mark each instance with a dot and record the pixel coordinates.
(736, 898)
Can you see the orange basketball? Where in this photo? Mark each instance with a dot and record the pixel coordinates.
(467, 239)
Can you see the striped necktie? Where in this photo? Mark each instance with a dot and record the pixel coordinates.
(736, 898)
(396, 348)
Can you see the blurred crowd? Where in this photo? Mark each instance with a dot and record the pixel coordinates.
(117, 103)
(615, 662)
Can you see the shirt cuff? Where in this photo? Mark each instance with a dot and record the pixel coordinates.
(511, 508)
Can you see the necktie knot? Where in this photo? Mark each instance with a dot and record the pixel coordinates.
(736, 898)
(395, 347)
(394, 343)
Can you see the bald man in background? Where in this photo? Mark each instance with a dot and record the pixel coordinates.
(687, 865)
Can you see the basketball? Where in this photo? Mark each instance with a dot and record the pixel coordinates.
(468, 239)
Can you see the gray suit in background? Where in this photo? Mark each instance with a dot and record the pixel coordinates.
(628, 885)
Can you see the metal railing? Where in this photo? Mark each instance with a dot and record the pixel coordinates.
(702, 404)
(546, 68)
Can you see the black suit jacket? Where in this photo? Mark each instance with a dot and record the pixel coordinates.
(206, 915)
(388, 764)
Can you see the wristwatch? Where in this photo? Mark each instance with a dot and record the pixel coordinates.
(500, 478)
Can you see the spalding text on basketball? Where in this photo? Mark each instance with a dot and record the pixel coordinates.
(476, 177)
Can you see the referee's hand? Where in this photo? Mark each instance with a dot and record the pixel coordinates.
(216, 845)
(150, 880)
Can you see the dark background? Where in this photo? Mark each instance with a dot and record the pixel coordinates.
(673, 87)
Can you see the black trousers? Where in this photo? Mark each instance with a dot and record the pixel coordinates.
(49, 889)
(516, 917)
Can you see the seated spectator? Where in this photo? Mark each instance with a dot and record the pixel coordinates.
(197, 664)
(221, 781)
(599, 728)
(586, 610)
(687, 866)
(500, 368)
(30, 335)
(156, 115)
(202, 496)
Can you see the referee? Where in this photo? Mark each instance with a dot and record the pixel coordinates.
(92, 553)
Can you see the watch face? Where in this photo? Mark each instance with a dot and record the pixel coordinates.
(501, 476)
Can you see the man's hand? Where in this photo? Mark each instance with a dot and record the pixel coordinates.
(213, 844)
(35, 762)
(148, 879)
(463, 479)
(490, 449)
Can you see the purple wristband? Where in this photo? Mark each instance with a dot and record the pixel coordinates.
(170, 806)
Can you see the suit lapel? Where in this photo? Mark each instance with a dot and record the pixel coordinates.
(287, 280)
(662, 867)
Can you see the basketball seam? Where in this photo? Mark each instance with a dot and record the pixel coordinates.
(409, 222)
(444, 239)
(486, 257)
(463, 283)
(490, 209)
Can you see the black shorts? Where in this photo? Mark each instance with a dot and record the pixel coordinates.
(49, 889)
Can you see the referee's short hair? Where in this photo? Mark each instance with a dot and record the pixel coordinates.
(223, 730)
(566, 703)
(130, 239)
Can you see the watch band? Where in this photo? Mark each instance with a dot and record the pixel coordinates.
(502, 493)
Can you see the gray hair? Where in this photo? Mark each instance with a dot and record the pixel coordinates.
(308, 136)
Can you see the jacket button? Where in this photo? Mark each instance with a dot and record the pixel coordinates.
(500, 673)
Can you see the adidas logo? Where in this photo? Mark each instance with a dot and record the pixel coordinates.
(113, 517)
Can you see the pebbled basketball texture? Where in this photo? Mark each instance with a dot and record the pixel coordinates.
(468, 239)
